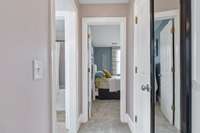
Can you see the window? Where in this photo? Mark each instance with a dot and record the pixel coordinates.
(116, 61)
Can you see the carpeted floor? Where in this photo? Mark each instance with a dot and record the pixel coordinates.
(162, 125)
(105, 118)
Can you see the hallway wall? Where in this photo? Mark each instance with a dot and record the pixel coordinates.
(24, 31)
(163, 5)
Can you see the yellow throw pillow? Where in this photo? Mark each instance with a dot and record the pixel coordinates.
(107, 73)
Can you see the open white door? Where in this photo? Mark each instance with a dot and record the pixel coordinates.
(142, 93)
(166, 71)
(89, 73)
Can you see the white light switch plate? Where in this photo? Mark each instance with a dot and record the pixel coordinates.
(37, 69)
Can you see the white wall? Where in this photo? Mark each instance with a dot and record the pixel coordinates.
(196, 66)
(105, 35)
(24, 31)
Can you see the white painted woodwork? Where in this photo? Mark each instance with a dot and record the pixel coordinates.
(142, 62)
(71, 48)
(92, 21)
(166, 74)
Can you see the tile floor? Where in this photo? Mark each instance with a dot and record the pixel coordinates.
(105, 118)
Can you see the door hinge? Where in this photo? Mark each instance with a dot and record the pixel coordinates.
(172, 69)
(136, 20)
(136, 70)
(88, 36)
(173, 108)
(173, 29)
(136, 118)
(88, 69)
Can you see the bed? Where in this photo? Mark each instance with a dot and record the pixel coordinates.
(107, 88)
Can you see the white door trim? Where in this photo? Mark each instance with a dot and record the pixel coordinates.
(86, 21)
(174, 14)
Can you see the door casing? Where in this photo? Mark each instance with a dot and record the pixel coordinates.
(88, 21)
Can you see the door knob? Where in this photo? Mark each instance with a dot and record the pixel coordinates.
(146, 88)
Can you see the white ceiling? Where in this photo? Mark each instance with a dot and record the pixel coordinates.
(102, 1)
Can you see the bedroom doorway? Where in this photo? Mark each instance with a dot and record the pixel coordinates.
(104, 64)
(104, 67)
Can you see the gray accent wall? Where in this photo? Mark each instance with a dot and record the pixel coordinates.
(103, 58)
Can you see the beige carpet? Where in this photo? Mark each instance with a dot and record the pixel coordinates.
(105, 118)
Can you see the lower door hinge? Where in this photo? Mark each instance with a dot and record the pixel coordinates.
(136, 119)
(136, 69)
(173, 107)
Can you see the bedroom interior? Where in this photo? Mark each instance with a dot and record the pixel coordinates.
(105, 58)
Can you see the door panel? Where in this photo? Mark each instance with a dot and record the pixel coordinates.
(166, 65)
(142, 66)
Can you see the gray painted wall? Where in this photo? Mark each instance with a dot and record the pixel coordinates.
(25, 104)
(103, 58)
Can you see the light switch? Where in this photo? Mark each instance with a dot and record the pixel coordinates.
(37, 70)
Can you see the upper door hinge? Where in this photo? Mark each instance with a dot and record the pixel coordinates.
(136, 118)
(88, 36)
(173, 69)
(172, 29)
(173, 108)
(136, 70)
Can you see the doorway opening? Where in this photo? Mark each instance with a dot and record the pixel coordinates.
(167, 71)
(60, 77)
(64, 69)
(104, 72)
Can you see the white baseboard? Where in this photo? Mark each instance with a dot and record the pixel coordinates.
(80, 119)
(129, 122)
